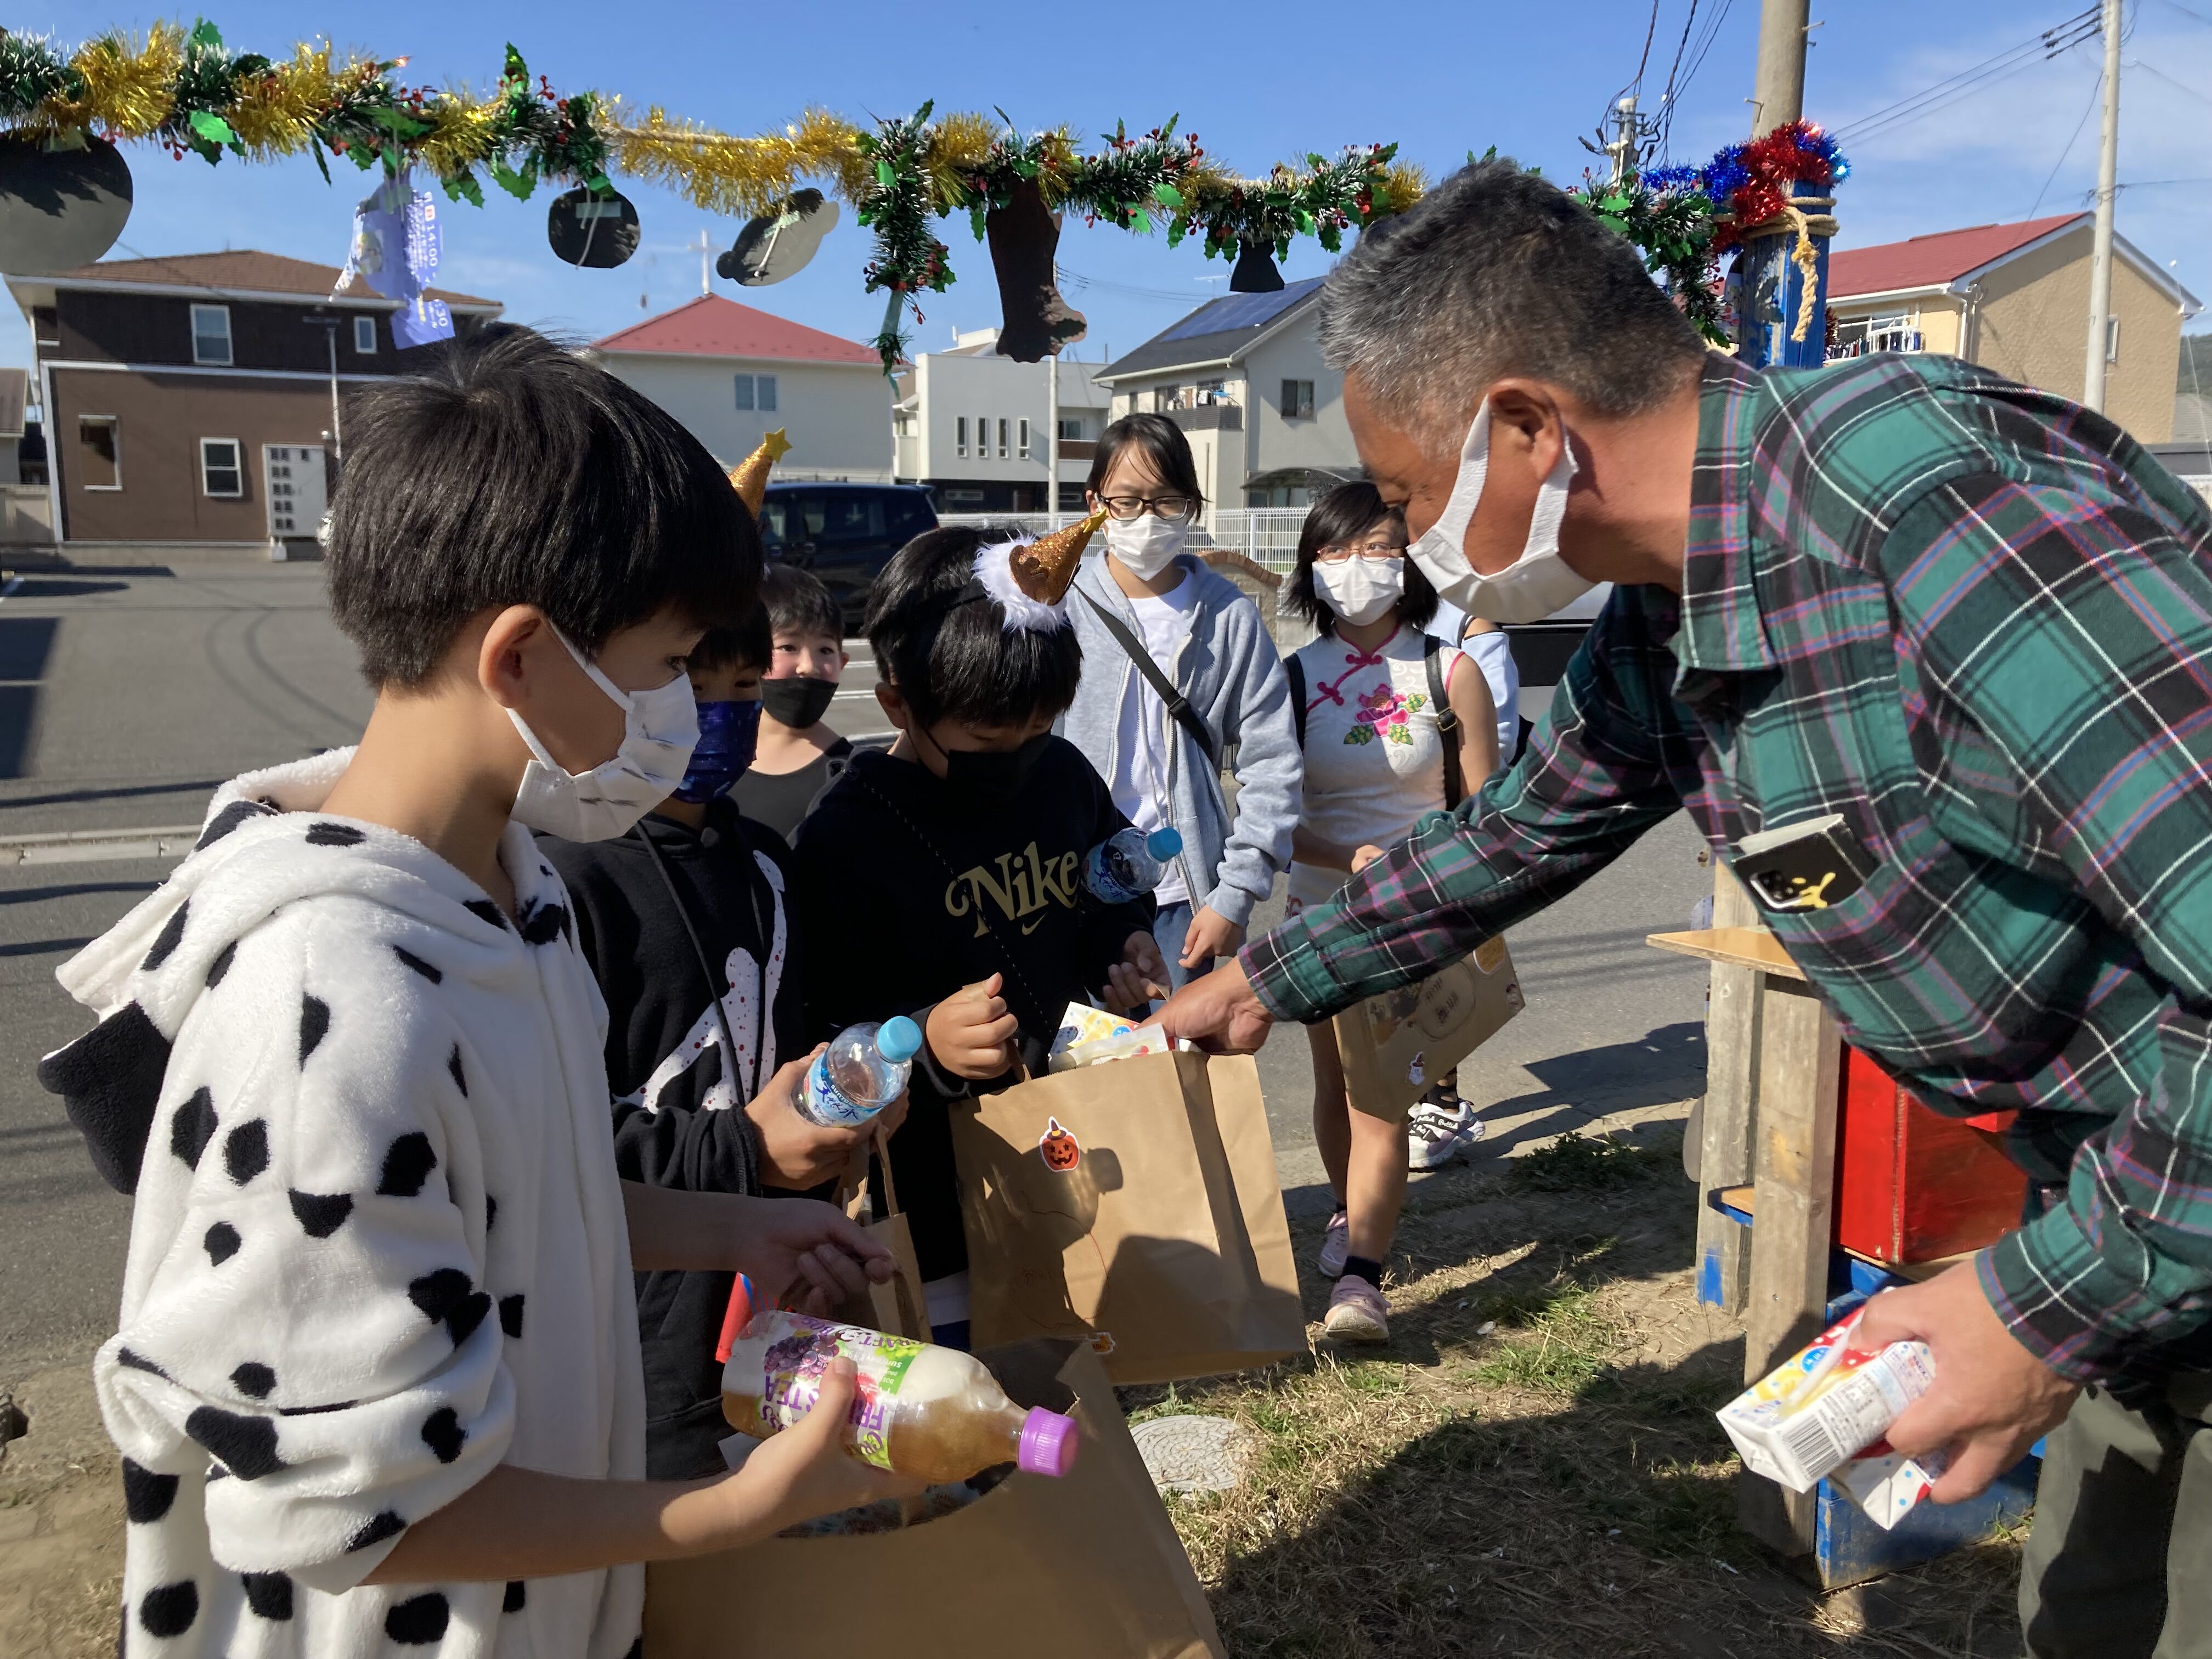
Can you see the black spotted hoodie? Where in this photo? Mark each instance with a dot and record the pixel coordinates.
(378, 1246)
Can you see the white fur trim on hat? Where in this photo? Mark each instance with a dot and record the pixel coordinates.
(995, 570)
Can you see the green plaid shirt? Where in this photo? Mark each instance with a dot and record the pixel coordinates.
(1977, 622)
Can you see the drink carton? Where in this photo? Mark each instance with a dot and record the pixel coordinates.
(1817, 1410)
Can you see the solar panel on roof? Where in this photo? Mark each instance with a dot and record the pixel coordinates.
(1235, 311)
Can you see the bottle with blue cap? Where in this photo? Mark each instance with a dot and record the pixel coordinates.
(1129, 863)
(859, 1073)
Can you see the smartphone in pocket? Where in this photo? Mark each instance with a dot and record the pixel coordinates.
(1802, 867)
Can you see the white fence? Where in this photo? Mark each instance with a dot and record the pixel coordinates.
(1268, 536)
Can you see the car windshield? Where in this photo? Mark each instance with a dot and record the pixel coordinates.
(843, 515)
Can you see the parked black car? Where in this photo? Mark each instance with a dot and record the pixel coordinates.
(843, 532)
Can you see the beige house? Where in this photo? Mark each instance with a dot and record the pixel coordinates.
(2015, 299)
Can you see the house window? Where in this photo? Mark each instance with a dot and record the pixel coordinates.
(764, 389)
(211, 335)
(1002, 439)
(960, 436)
(1071, 430)
(222, 472)
(1024, 434)
(1163, 399)
(982, 437)
(1297, 400)
(2111, 340)
(745, 391)
(364, 336)
(98, 452)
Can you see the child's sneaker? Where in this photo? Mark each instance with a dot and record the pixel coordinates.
(1436, 1133)
(1357, 1312)
(1335, 1245)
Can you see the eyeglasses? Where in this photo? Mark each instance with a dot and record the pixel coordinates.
(1374, 550)
(1125, 508)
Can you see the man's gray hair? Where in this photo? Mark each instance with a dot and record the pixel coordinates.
(1498, 272)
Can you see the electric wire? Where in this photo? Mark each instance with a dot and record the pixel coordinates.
(1953, 89)
(2095, 87)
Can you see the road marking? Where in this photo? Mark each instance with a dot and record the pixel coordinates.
(92, 845)
(10, 585)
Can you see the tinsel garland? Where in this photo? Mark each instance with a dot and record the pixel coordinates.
(187, 90)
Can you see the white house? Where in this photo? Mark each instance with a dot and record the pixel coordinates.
(731, 374)
(971, 425)
(1242, 375)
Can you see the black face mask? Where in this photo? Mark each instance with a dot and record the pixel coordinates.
(797, 702)
(992, 777)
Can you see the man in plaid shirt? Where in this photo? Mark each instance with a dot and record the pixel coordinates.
(1971, 621)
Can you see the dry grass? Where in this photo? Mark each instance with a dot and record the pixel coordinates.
(1532, 1466)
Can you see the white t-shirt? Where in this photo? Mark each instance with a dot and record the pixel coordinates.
(1375, 760)
(1141, 751)
(1493, 654)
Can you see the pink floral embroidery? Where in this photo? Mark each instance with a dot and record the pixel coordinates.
(1382, 714)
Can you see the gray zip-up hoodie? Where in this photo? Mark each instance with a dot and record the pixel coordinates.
(1229, 671)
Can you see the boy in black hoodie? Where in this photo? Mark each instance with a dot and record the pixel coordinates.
(684, 922)
(943, 878)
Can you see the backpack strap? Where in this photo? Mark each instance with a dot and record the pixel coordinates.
(1294, 672)
(1432, 655)
(1178, 705)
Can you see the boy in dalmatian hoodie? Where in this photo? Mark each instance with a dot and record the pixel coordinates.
(377, 1382)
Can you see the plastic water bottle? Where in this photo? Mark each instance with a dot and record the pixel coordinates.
(859, 1073)
(931, 1413)
(1128, 863)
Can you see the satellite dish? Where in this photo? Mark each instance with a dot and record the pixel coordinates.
(775, 245)
(64, 200)
(597, 229)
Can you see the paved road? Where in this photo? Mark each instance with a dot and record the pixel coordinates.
(126, 696)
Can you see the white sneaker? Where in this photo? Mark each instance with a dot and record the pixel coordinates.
(1434, 1134)
(1335, 1245)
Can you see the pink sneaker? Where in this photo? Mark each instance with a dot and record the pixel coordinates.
(1335, 1245)
(1357, 1312)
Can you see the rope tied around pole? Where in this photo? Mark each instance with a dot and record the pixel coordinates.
(1803, 254)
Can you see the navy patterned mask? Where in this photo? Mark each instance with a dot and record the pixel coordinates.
(727, 732)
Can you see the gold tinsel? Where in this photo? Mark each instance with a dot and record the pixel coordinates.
(126, 87)
(274, 115)
(1407, 184)
(461, 130)
(957, 146)
(732, 175)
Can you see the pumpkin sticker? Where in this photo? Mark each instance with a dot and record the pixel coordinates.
(1060, 1150)
(1102, 1343)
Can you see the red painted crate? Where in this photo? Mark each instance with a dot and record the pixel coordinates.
(1911, 1184)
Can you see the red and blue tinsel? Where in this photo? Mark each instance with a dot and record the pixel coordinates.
(1751, 182)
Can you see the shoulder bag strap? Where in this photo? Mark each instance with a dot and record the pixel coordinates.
(1433, 652)
(1178, 705)
(1294, 672)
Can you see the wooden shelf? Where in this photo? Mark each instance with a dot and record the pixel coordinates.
(1739, 947)
(1745, 1199)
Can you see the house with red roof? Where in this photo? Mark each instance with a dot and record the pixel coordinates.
(2014, 298)
(731, 372)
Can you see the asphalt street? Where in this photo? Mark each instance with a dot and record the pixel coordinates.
(127, 694)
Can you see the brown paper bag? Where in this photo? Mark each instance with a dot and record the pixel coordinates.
(1133, 1204)
(1084, 1567)
(896, 1305)
(1395, 1045)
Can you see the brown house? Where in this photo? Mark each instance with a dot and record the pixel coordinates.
(197, 399)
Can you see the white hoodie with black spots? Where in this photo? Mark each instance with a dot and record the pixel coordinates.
(379, 1246)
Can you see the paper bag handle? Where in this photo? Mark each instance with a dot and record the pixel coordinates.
(879, 1154)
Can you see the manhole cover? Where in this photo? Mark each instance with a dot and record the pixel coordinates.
(1194, 1454)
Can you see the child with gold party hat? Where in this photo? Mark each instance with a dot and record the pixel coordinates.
(950, 868)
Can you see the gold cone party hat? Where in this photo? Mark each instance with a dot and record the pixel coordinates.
(749, 477)
(1042, 568)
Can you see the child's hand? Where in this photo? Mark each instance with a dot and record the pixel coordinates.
(1140, 976)
(1211, 934)
(970, 1032)
(807, 1255)
(796, 1154)
(805, 1470)
(1366, 855)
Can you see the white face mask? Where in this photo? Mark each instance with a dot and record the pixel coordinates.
(660, 727)
(1359, 590)
(1534, 585)
(1146, 544)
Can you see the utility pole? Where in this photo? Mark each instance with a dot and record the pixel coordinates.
(1052, 441)
(1778, 95)
(2100, 257)
(704, 247)
(1627, 137)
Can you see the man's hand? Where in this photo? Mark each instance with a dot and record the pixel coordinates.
(807, 1255)
(805, 1471)
(796, 1154)
(1211, 935)
(1991, 1399)
(1218, 1010)
(970, 1032)
(1140, 976)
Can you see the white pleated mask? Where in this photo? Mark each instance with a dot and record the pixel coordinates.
(1534, 585)
(661, 728)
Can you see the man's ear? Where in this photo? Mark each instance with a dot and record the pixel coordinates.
(507, 653)
(1525, 417)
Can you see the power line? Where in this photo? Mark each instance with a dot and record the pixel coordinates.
(2186, 12)
(1700, 51)
(2095, 85)
(1953, 89)
(1636, 84)
(2138, 64)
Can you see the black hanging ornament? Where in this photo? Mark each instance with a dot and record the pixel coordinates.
(596, 229)
(64, 200)
(778, 245)
(1035, 321)
(1255, 272)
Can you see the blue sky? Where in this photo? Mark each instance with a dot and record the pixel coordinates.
(1257, 84)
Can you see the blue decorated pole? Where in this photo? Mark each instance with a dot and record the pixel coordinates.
(1780, 281)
